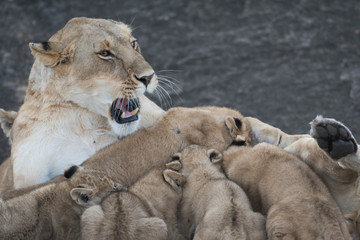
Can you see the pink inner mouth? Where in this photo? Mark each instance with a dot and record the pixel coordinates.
(127, 108)
(122, 104)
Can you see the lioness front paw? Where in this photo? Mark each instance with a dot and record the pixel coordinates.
(333, 137)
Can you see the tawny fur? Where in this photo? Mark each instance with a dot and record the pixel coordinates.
(53, 210)
(353, 224)
(65, 117)
(130, 158)
(7, 119)
(341, 176)
(214, 207)
(146, 211)
(297, 203)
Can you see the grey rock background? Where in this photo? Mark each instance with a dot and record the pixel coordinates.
(283, 62)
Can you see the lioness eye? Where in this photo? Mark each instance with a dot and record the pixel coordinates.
(105, 53)
(134, 44)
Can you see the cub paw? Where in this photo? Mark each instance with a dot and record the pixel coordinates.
(333, 137)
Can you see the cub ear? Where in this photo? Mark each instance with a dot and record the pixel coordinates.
(215, 156)
(176, 156)
(70, 171)
(7, 119)
(52, 54)
(174, 165)
(233, 123)
(82, 196)
(175, 179)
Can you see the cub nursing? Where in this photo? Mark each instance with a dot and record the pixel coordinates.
(130, 158)
(53, 210)
(212, 206)
(288, 191)
(146, 211)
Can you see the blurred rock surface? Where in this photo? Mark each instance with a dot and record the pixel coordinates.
(283, 62)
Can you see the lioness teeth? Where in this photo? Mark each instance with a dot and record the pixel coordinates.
(134, 112)
(129, 114)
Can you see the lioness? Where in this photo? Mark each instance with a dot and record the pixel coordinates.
(297, 203)
(213, 207)
(146, 211)
(53, 210)
(85, 92)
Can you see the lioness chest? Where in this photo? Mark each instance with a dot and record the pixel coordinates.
(63, 136)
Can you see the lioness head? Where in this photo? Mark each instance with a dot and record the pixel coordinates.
(96, 64)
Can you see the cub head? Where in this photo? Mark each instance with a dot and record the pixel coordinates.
(90, 187)
(211, 127)
(195, 156)
(96, 64)
(291, 218)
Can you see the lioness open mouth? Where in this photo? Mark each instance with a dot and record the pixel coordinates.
(125, 110)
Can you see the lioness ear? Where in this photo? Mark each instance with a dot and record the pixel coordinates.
(175, 179)
(82, 196)
(215, 156)
(52, 54)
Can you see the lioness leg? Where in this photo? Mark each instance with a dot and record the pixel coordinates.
(333, 154)
(262, 132)
(332, 136)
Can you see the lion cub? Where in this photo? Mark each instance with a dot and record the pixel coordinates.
(132, 157)
(297, 203)
(53, 210)
(214, 207)
(330, 150)
(146, 211)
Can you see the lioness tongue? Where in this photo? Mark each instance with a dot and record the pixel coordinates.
(122, 104)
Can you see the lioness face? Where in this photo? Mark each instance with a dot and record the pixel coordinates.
(100, 67)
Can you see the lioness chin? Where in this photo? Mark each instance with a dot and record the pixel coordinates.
(85, 92)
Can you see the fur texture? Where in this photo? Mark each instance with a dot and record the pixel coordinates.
(53, 210)
(214, 207)
(340, 175)
(297, 203)
(133, 156)
(76, 77)
(146, 211)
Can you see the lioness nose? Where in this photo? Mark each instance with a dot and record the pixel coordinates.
(145, 79)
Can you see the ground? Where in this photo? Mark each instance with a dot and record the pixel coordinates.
(283, 62)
